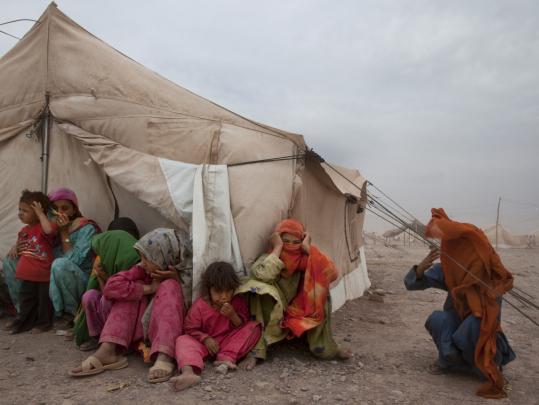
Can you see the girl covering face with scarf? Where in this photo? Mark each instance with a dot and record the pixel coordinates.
(289, 288)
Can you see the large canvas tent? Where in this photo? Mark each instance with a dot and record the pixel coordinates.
(75, 112)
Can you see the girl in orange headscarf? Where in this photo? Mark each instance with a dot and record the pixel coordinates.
(289, 289)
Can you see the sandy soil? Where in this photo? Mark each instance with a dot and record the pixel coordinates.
(392, 352)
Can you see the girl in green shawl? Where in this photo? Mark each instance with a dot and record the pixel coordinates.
(115, 252)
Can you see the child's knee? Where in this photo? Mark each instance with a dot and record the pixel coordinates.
(58, 265)
(89, 298)
(169, 285)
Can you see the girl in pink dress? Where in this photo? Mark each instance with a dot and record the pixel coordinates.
(217, 326)
(126, 300)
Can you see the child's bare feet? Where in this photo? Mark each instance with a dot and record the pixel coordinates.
(187, 379)
(248, 363)
(228, 363)
(343, 354)
(162, 369)
(222, 366)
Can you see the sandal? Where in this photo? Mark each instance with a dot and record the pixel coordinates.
(92, 366)
(161, 365)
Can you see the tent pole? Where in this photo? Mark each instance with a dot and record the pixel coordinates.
(45, 149)
(498, 220)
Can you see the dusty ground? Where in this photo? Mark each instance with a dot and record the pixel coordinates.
(392, 351)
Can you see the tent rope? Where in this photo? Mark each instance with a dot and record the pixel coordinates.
(20, 19)
(377, 205)
(13, 21)
(8, 34)
(275, 159)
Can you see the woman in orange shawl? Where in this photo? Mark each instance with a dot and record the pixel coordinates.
(467, 332)
(289, 289)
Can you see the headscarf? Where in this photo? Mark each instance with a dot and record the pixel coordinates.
(125, 224)
(292, 255)
(160, 246)
(64, 193)
(115, 253)
(306, 311)
(469, 246)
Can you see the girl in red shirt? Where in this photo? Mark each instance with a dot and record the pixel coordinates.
(35, 242)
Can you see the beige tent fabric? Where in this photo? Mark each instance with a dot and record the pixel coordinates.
(113, 117)
(71, 166)
(21, 168)
(338, 230)
(135, 171)
(22, 81)
(259, 192)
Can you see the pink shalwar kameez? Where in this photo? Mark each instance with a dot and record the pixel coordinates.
(204, 321)
(123, 324)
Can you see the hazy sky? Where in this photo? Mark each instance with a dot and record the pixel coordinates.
(435, 102)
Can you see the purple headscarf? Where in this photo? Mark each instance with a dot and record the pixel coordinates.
(63, 193)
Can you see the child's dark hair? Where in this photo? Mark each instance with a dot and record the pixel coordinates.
(28, 197)
(220, 276)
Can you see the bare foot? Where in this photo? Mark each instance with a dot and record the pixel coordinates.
(248, 363)
(184, 381)
(162, 369)
(227, 363)
(343, 354)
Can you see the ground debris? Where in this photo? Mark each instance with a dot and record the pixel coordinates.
(117, 386)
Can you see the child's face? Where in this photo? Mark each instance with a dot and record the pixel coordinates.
(147, 265)
(219, 298)
(290, 239)
(27, 214)
(64, 207)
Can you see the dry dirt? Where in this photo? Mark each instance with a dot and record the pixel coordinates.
(392, 352)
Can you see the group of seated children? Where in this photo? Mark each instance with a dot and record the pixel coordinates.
(137, 292)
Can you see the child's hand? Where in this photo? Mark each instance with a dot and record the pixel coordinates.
(99, 272)
(276, 241)
(152, 288)
(165, 274)
(227, 310)
(434, 254)
(62, 220)
(212, 345)
(306, 242)
(22, 244)
(13, 252)
(36, 206)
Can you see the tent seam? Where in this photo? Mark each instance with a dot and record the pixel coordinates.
(174, 112)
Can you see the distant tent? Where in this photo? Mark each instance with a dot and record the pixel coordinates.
(130, 142)
(506, 239)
